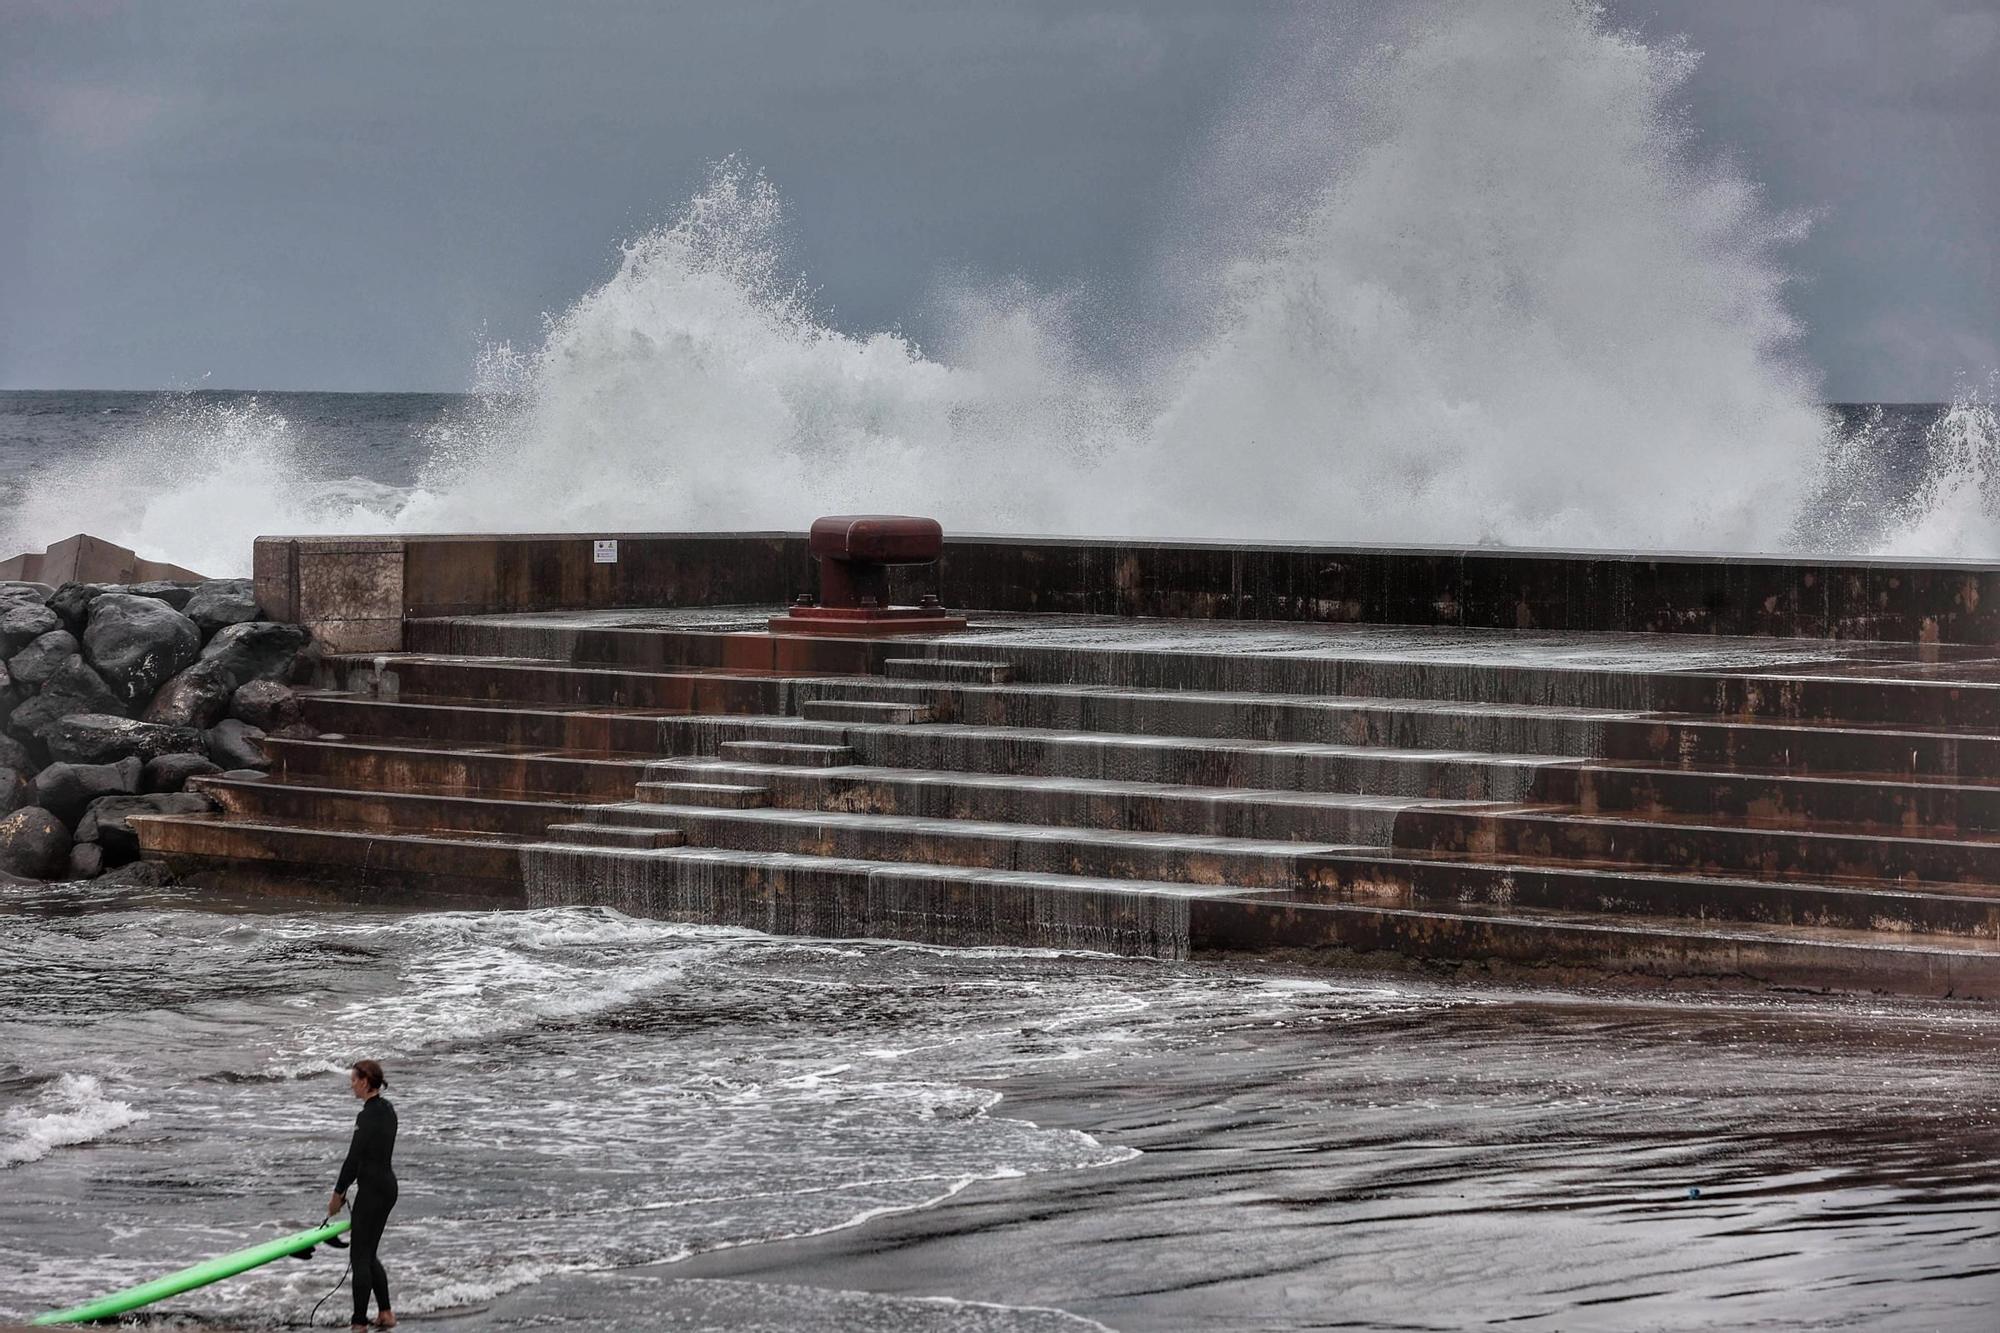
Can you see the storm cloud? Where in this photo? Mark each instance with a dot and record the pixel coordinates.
(356, 196)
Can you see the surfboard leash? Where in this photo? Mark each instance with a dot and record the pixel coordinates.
(345, 1269)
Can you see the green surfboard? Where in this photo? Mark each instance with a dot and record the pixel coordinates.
(213, 1270)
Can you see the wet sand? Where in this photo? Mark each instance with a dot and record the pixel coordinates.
(1526, 1162)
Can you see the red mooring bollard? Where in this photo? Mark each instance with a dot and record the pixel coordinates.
(854, 553)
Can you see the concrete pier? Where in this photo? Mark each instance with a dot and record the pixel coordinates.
(1147, 768)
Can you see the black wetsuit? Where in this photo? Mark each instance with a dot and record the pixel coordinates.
(368, 1161)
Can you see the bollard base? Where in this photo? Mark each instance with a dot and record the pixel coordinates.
(866, 622)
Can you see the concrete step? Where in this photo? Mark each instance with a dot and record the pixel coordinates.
(1321, 817)
(1707, 847)
(1797, 681)
(483, 722)
(971, 671)
(531, 683)
(1683, 741)
(857, 710)
(1401, 879)
(1112, 854)
(946, 905)
(796, 754)
(836, 897)
(745, 649)
(614, 835)
(1189, 761)
(292, 802)
(413, 766)
(1558, 947)
(258, 856)
(1877, 803)
(1950, 750)
(710, 795)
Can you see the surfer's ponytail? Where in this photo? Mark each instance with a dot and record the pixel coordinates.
(371, 1071)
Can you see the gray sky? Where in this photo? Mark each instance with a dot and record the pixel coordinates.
(347, 196)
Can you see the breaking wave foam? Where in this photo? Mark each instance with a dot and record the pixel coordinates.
(1515, 308)
(69, 1111)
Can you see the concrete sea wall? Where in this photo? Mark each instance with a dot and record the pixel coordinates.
(355, 592)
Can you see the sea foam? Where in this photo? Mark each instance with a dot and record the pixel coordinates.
(71, 1110)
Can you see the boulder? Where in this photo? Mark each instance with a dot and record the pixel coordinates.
(176, 595)
(34, 664)
(197, 697)
(15, 755)
(73, 689)
(34, 844)
(21, 623)
(265, 704)
(234, 744)
(307, 666)
(139, 875)
(170, 772)
(20, 590)
(72, 603)
(108, 824)
(86, 861)
(137, 643)
(66, 790)
(103, 738)
(220, 603)
(15, 790)
(295, 731)
(257, 650)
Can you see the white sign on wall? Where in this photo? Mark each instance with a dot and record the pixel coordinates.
(605, 552)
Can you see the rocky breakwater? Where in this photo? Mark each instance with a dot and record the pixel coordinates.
(113, 696)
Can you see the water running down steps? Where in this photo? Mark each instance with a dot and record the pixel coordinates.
(1633, 840)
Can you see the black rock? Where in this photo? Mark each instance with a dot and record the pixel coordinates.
(72, 603)
(20, 590)
(108, 822)
(139, 875)
(170, 772)
(265, 704)
(220, 603)
(21, 623)
(176, 595)
(234, 744)
(15, 790)
(102, 738)
(257, 650)
(15, 755)
(137, 643)
(307, 665)
(73, 689)
(245, 774)
(34, 844)
(86, 861)
(34, 664)
(197, 697)
(66, 790)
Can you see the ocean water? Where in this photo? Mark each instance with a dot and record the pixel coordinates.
(589, 1101)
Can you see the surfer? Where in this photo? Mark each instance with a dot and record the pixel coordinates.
(368, 1161)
